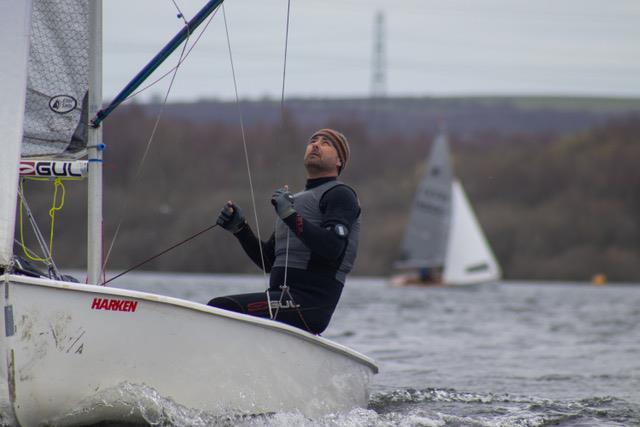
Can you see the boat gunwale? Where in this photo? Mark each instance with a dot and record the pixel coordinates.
(8, 278)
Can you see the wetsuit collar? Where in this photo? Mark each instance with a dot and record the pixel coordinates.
(316, 182)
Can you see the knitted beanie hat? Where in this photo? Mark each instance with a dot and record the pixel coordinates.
(339, 142)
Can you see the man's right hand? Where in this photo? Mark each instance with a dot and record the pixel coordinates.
(231, 218)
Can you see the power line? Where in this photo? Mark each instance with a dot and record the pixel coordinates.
(379, 65)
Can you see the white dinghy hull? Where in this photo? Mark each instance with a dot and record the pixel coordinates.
(71, 348)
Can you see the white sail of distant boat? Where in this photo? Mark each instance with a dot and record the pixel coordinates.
(72, 353)
(444, 242)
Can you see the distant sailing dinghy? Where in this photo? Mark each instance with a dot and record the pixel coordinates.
(76, 354)
(444, 243)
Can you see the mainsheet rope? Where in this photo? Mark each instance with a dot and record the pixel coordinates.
(284, 287)
(246, 156)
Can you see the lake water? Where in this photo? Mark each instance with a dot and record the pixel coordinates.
(507, 354)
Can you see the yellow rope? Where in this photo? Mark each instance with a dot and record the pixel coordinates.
(55, 206)
(57, 184)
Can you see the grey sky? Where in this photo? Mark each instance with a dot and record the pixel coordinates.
(445, 47)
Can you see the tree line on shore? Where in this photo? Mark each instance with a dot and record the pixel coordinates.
(553, 206)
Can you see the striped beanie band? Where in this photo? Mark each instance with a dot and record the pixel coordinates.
(339, 142)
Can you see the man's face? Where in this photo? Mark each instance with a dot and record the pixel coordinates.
(321, 157)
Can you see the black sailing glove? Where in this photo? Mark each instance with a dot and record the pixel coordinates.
(282, 200)
(231, 218)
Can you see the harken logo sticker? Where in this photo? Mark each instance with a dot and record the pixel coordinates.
(114, 304)
(62, 104)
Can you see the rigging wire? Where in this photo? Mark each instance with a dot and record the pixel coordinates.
(284, 287)
(193, 45)
(193, 236)
(284, 67)
(47, 258)
(146, 152)
(180, 14)
(246, 157)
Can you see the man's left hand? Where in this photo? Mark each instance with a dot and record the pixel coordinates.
(282, 200)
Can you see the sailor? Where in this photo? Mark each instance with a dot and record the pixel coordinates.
(314, 244)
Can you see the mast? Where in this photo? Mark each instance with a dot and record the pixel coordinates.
(95, 146)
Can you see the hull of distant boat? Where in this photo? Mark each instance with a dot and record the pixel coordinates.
(402, 280)
(413, 279)
(74, 353)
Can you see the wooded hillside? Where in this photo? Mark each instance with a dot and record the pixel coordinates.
(555, 206)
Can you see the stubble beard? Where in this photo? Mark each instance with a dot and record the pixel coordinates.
(317, 166)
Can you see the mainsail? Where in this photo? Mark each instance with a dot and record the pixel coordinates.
(57, 80)
(425, 240)
(14, 49)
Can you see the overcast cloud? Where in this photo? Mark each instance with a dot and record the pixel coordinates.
(452, 47)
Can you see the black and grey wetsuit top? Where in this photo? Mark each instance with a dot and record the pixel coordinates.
(323, 243)
(294, 248)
